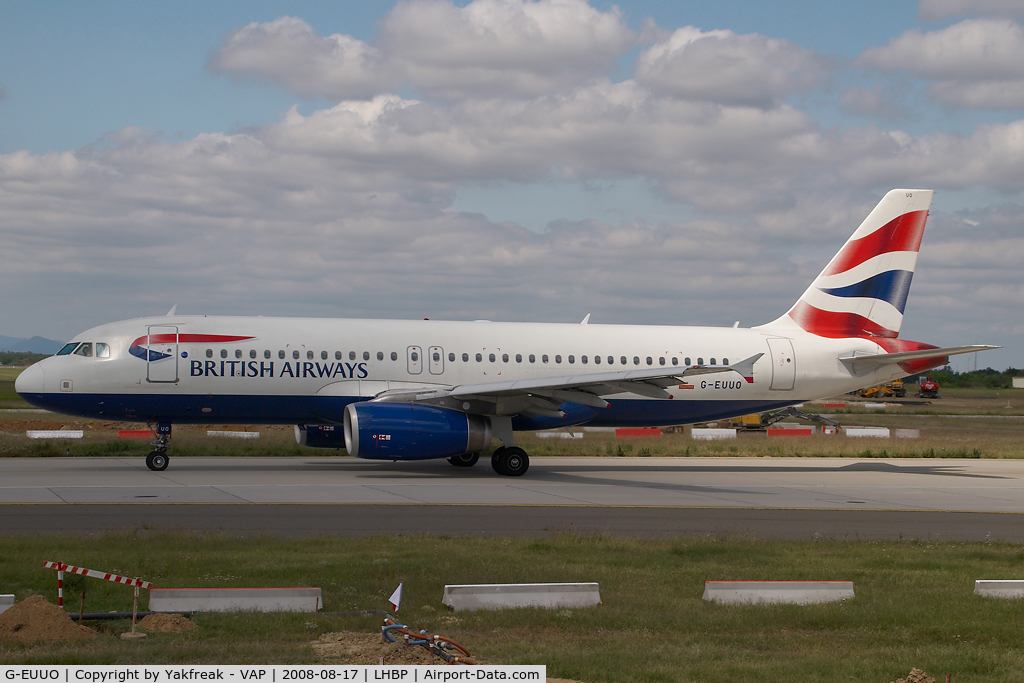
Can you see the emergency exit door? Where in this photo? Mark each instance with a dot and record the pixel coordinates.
(783, 364)
(162, 354)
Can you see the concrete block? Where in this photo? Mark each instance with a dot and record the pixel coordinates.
(6, 601)
(874, 406)
(870, 432)
(559, 435)
(235, 599)
(791, 431)
(55, 433)
(234, 435)
(908, 433)
(999, 589)
(792, 592)
(711, 434)
(509, 595)
(637, 433)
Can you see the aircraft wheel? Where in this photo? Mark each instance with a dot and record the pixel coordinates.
(157, 461)
(498, 460)
(515, 462)
(464, 460)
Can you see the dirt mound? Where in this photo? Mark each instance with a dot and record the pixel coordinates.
(916, 676)
(350, 647)
(165, 623)
(34, 620)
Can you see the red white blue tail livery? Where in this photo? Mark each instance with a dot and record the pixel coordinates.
(409, 390)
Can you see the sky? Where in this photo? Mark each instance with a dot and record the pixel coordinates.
(645, 162)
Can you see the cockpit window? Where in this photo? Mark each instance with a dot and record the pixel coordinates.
(84, 350)
(67, 349)
(102, 350)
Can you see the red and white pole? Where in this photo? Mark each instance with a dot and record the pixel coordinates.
(60, 588)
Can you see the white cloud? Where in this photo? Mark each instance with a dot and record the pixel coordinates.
(974, 63)
(936, 10)
(487, 48)
(721, 66)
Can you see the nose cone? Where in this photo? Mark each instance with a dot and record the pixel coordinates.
(32, 380)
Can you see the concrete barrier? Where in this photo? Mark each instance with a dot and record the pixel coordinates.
(637, 433)
(792, 592)
(6, 602)
(874, 406)
(790, 431)
(711, 434)
(55, 433)
(908, 433)
(559, 435)
(234, 435)
(235, 599)
(999, 589)
(870, 432)
(509, 595)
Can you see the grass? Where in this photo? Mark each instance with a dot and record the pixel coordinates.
(914, 605)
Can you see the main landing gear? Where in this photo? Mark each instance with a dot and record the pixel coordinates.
(511, 462)
(464, 460)
(157, 460)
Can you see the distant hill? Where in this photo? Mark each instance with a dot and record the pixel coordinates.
(33, 345)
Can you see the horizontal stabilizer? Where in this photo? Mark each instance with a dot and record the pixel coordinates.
(879, 359)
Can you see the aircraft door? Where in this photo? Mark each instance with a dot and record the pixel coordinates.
(436, 357)
(783, 364)
(414, 354)
(162, 354)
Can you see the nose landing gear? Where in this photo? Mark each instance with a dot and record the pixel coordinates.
(157, 460)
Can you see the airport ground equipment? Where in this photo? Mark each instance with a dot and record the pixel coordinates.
(445, 648)
(762, 421)
(927, 388)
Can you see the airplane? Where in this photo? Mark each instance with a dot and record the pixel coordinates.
(421, 389)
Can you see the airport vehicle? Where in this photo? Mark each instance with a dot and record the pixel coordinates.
(927, 388)
(408, 390)
(893, 388)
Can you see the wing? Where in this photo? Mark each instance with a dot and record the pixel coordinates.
(543, 396)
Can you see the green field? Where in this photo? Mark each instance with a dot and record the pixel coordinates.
(914, 603)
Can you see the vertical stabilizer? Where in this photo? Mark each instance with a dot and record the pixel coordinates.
(863, 290)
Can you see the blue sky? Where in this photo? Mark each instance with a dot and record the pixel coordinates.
(531, 176)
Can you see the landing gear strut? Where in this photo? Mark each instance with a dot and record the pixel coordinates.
(157, 460)
(510, 462)
(464, 460)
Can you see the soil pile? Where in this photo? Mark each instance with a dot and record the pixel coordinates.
(34, 620)
(916, 676)
(165, 623)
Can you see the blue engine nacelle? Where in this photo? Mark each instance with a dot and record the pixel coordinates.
(403, 431)
(320, 436)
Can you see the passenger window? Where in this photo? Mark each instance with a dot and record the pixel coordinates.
(725, 361)
(67, 348)
(309, 355)
(558, 359)
(414, 356)
(295, 354)
(451, 357)
(238, 353)
(479, 358)
(366, 355)
(623, 360)
(675, 361)
(209, 353)
(102, 350)
(337, 355)
(223, 353)
(490, 357)
(712, 361)
(436, 356)
(650, 361)
(611, 360)
(394, 355)
(597, 360)
(465, 358)
(323, 355)
(84, 350)
(504, 358)
(544, 358)
(700, 361)
(351, 355)
(280, 354)
(519, 358)
(583, 359)
(533, 358)
(252, 353)
(266, 353)
(380, 355)
(687, 361)
(661, 360)
(572, 359)
(636, 360)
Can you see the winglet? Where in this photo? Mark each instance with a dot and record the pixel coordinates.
(173, 309)
(586, 320)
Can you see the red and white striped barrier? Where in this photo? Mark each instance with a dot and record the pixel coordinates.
(61, 568)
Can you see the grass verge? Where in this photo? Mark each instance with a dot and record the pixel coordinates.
(914, 604)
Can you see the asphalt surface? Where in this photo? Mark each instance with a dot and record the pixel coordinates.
(784, 498)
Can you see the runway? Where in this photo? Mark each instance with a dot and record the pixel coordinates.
(763, 497)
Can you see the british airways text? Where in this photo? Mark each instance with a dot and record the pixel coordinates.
(252, 368)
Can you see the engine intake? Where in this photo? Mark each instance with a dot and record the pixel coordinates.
(404, 431)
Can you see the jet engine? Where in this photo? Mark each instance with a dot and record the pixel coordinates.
(404, 431)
